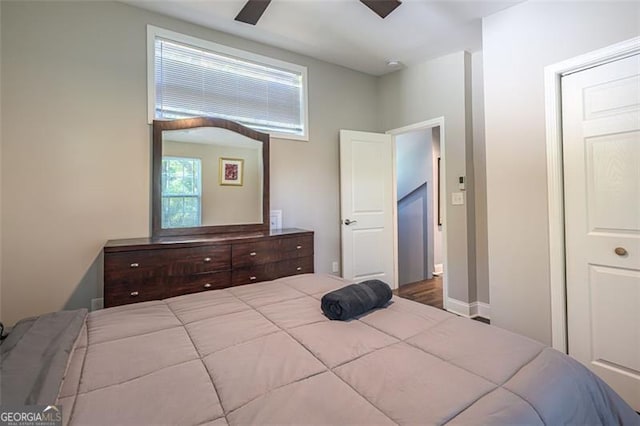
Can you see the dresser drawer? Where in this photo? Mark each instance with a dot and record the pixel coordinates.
(125, 291)
(271, 271)
(293, 247)
(196, 260)
(254, 274)
(196, 283)
(249, 254)
(140, 264)
(302, 265)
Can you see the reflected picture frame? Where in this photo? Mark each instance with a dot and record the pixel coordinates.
(231, 171)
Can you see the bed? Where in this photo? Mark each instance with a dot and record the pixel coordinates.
(265, 354)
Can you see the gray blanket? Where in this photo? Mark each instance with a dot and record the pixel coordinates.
(265, 354)
(34, 356)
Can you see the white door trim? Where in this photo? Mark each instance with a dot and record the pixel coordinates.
(553, 101)
(423, 125)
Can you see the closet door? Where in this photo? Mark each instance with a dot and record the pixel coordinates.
(601, 151)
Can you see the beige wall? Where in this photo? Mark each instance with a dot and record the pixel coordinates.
(425, 91)
(77, 146)
(518, 43)
(224, 204)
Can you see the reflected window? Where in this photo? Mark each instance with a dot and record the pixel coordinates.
(181, 192)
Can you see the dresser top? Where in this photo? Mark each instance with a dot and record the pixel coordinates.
(147, 243)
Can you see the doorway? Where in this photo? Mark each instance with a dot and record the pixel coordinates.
(418, 213)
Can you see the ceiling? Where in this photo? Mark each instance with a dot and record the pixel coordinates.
(346, 32)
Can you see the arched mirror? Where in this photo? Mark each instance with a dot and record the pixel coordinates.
(210, 176)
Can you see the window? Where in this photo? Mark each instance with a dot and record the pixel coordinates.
(181, 184)
(189, 77)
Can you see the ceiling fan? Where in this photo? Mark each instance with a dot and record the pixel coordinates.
(253, 9)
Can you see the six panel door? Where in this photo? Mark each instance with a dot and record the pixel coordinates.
(601, 151)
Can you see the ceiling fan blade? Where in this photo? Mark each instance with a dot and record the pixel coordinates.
(382, 7)
(252, 11)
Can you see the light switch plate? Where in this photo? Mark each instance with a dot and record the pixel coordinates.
(457, 198)
(275, 223)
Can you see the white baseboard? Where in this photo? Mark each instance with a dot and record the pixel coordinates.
(458, 307)
(438, 269)
(484, 310)
(469, 310)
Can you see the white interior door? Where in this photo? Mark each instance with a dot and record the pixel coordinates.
(366, 206)
(601, 151)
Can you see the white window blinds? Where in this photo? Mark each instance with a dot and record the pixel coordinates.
(193, 81)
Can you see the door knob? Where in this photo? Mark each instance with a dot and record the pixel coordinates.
(349, 221)
(621, 251)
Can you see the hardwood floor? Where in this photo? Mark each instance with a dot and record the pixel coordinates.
(428, 292)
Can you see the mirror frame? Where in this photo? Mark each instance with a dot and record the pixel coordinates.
(159, 126)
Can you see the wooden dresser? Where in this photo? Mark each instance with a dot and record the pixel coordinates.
(141, 269)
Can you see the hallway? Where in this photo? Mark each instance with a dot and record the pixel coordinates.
(428, 292)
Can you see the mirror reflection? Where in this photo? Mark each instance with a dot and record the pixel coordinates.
(210, 176)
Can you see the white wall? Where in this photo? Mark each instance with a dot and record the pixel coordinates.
(425, 91)
(414, 169)
(518, 43)
(480, 178)
(77, 146)
(469, 180)
(413, 161)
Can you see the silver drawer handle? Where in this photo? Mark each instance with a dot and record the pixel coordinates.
(252, 278)
(207, 285)
(134, 265)
(207, 259)
(299, 268)
(253, 253)
(298, 247)
(134, 293)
